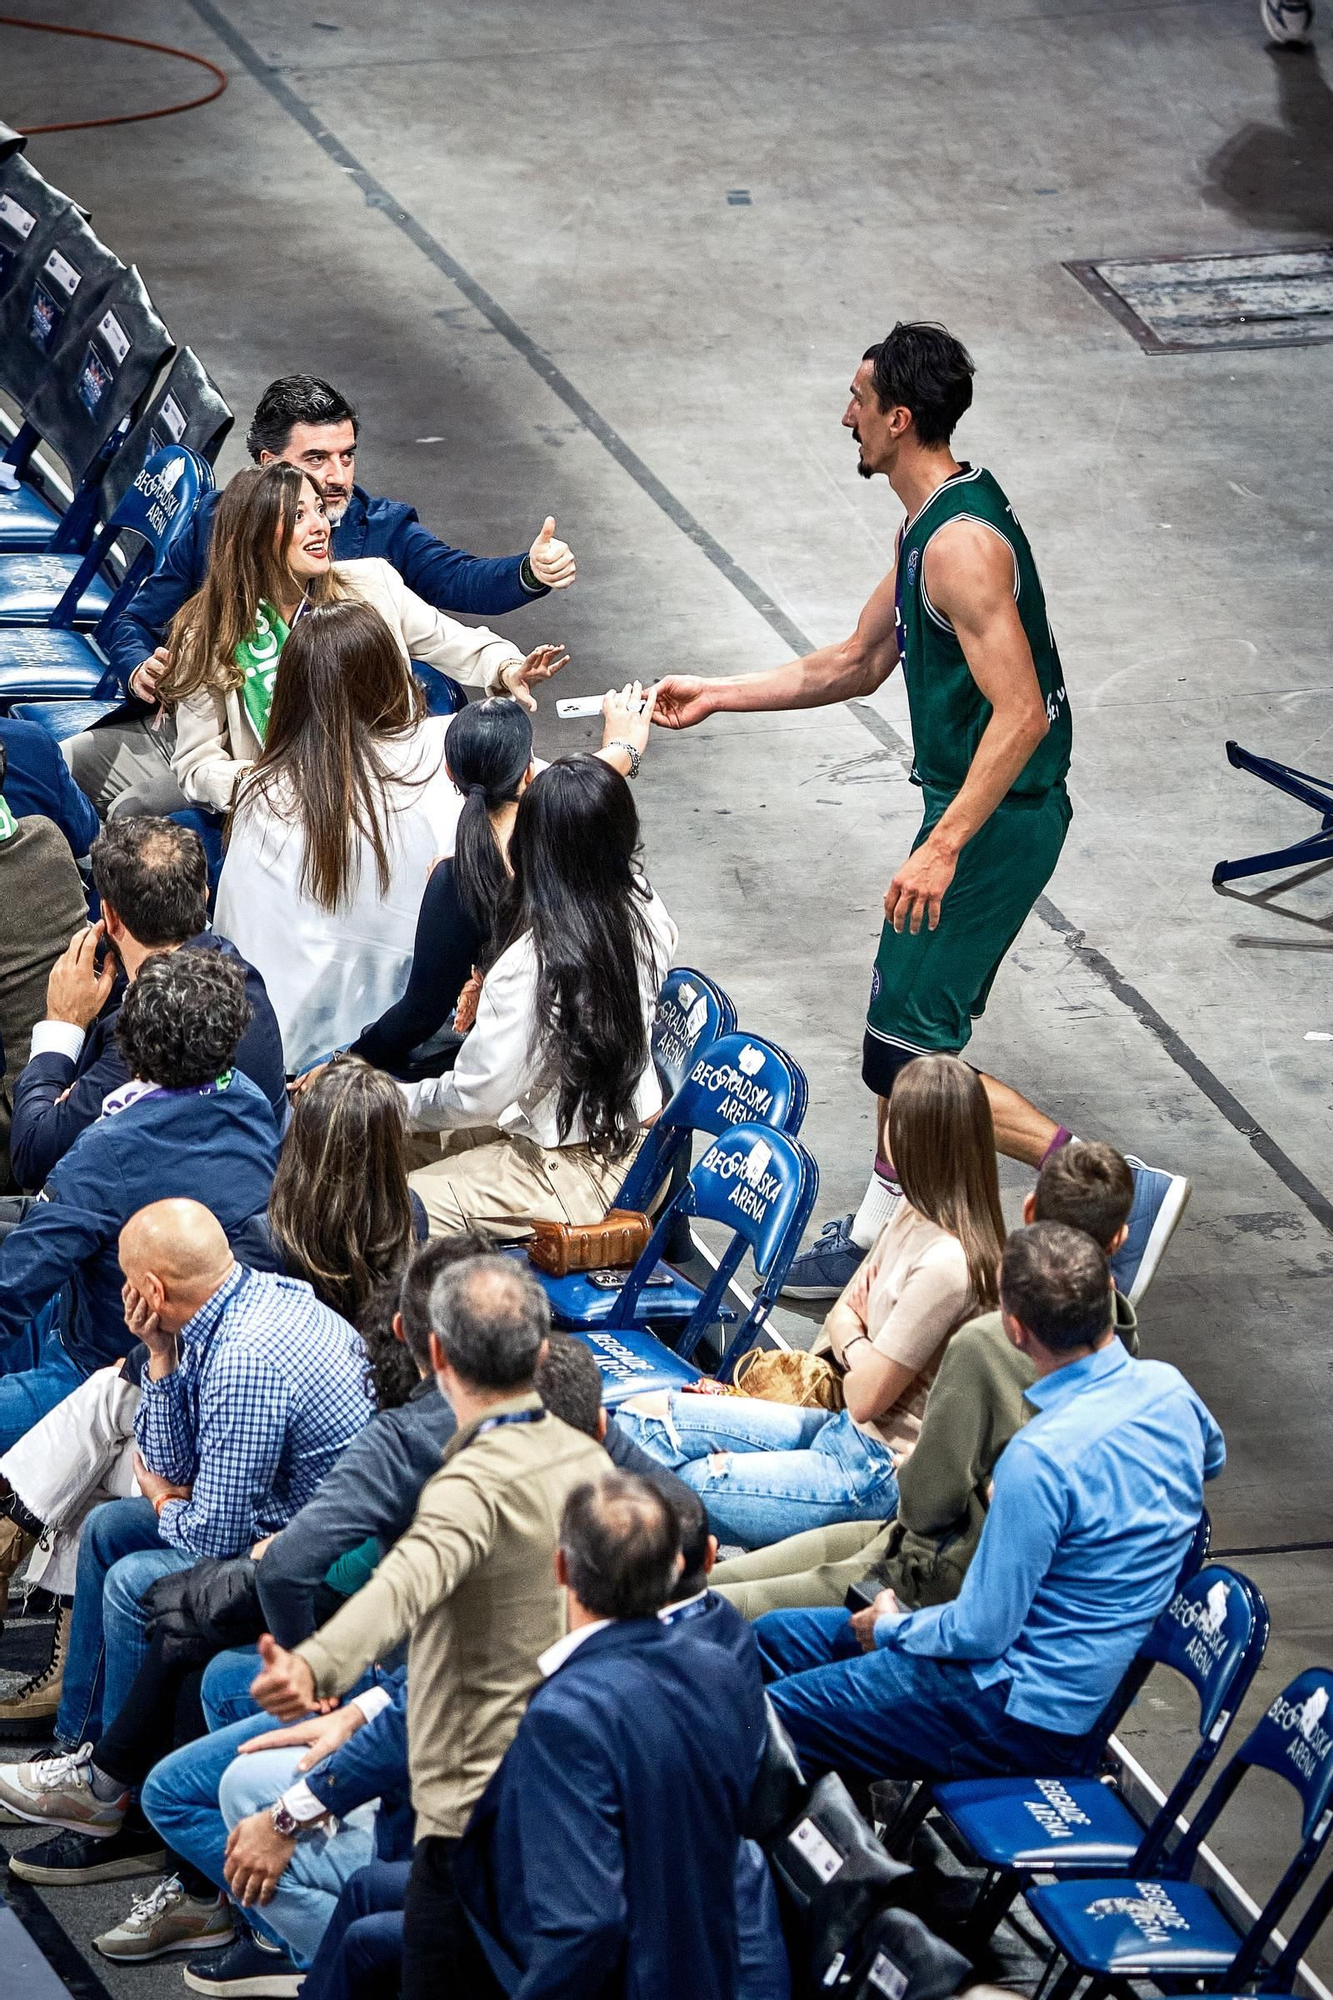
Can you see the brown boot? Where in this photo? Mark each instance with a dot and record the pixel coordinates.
(33, 1705)
(15, 1544)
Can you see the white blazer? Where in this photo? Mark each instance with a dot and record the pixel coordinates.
(215, 739)
(496, 1080)
(330, 973)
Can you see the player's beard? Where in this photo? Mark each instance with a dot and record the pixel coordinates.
(866, 471)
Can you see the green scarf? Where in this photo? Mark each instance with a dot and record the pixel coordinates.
(257, 658)
(9, 826)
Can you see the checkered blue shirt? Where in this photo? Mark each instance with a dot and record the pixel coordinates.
(269, 1388)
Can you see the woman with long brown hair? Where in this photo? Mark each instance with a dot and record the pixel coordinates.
(269, 564)
(339, 1211)
(768, 1470)
(334, 830)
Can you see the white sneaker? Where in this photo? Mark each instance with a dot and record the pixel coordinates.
(1290, 23)
(58, 1791)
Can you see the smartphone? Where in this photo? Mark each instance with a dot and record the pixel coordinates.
(860, 1596)
(579, 706)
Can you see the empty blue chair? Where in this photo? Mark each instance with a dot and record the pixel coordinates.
(98, 374)
(752, 1180)
(1213, 1632)
(53, 663)
(1161, 1926)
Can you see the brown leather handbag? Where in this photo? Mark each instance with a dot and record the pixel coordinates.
(614, 1243)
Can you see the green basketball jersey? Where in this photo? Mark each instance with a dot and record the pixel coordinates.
(949, 711)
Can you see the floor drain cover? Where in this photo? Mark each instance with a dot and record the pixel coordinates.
(1181, 305)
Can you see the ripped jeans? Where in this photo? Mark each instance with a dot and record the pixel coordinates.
(782, 1469)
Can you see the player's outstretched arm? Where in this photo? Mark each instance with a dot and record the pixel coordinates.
(855, 666)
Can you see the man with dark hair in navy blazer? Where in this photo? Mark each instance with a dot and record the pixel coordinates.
(601, 1858)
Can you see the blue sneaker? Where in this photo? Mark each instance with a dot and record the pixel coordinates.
(822, 1271)
(1289, 23)
(1159, 1203)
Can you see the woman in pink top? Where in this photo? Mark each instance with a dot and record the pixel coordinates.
(767, 1470)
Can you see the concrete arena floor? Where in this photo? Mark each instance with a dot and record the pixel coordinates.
(508, 233)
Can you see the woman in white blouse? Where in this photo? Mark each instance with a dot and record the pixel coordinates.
(544, 1109)
(269, 562)
(335, 828)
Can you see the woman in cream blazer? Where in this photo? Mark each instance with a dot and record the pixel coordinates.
(269, 559)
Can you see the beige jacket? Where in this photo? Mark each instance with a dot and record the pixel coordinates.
(472, 1586)
(215, 741)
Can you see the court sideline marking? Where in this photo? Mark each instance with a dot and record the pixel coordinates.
(377, 196)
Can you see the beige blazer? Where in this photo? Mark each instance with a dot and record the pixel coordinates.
(215, 740)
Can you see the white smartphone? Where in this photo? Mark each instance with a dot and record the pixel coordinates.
(579, 706)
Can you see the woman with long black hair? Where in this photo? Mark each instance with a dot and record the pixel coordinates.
(489, 757)
(547, 1102)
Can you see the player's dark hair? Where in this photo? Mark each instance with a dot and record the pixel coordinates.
(1054, 1281)
(1087, 1185)
(922, 367)
(292, 400)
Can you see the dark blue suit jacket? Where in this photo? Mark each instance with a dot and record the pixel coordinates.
(38, 781)
(221, 1150)
(44, 1129)
(448, 578)
(601, 1859)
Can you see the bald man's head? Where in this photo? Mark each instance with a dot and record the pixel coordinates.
(175, 1254)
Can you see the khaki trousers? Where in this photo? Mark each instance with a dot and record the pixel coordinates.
(488, 1180)
(810, 1571)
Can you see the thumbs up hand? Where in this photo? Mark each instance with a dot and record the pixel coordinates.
(285, 1685)
(552, 562)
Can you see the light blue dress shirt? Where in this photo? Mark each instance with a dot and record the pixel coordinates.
(1095, 1503)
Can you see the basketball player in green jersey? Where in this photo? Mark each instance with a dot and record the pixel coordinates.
(962, 610)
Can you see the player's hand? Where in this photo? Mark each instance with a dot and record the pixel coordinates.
(683, 700)
(552, 562)
(917, 890)
(285, 1685)
(76, 991)
(541, 663)
(143, 681)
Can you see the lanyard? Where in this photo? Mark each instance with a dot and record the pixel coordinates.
(509, 1417)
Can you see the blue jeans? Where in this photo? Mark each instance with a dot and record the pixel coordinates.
(29, 1394)
(180, 1798)
(360, 1955)
(188, 1794)
(120, 1554)
(888, 1714)
(225, 1688)
(784, 1469)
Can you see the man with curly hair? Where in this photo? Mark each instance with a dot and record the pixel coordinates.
(186, 1124)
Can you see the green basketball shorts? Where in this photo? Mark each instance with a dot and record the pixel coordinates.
(927, 990)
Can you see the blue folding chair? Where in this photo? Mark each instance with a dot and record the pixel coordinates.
(758, 1183)
(1161, 1926)
(1213, 1632)
(53, 663)
(692, 1010)
(95, 379)
(740, 1079)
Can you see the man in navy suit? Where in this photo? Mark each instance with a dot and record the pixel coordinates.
(601, 1858)
(306, 422)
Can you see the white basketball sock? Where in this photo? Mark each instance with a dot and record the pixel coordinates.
(877, 1205)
